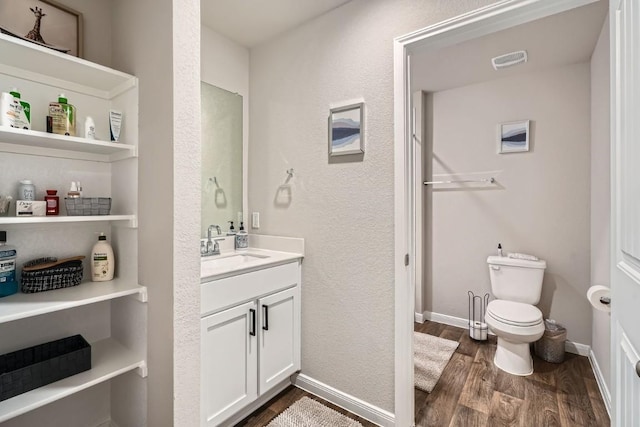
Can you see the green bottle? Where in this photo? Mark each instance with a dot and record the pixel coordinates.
(23, 121)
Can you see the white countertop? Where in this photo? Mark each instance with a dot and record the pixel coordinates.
(238, 262)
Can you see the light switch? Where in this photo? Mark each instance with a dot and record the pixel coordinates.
(255, 220)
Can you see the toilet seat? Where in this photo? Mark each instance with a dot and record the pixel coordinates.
(514, 313)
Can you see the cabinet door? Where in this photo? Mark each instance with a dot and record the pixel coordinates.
(229, 362)
(279, 337)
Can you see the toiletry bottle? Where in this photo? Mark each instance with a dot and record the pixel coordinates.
(89, 128)
(8, 282)
(102, 260)
(26, 190)
(63, 117)
(115, 124)
(242, 238)
(23, 119)
(53, 202)
(73, 192)
(500, 249)
(232, 230)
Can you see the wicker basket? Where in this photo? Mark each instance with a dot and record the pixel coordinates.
(36, 366)
(84, 206)
(60, 276)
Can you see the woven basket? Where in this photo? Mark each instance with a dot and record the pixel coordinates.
(83, 206)
(60, 276)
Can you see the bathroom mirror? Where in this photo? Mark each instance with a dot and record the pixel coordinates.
(222, 142)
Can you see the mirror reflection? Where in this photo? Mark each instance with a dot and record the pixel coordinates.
(221, 157)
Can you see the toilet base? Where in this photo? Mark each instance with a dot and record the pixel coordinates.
(514, 358)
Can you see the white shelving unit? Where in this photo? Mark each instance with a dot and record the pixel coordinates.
(41, 72)
(7, 220)
(108, 360)
(24, 141)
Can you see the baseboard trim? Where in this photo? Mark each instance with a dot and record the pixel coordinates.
(418, 317)
(602, 384)
(569, 346)
(346, 401)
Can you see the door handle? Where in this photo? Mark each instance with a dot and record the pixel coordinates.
(638, 368)
(252, 332)
(266, 317)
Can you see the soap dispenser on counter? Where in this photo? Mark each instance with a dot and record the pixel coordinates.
(242, 238)
(232, 230)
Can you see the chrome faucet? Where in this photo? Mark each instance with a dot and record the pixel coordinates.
(211, 247)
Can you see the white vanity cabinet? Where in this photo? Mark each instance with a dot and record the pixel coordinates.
(250, 338)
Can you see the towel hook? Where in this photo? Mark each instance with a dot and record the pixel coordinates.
(290, 173)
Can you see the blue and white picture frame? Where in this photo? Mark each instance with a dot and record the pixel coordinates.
(513, 137)
(346, 131)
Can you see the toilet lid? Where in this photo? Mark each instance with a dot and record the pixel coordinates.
(514, 313)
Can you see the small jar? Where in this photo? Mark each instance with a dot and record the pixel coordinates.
(53, 202)
(26, 190)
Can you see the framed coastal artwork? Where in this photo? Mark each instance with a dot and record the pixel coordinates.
(346, 133)
(45, 22)
(513, 137)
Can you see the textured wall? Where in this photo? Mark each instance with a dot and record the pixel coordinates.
(540, 204)
(601, 196)
(344, 210)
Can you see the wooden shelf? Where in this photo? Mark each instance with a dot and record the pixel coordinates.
(30, 61)
(8, 220)
(20, 306)
(33, 142)
(108, 360)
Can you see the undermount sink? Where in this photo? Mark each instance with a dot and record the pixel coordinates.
(234, 260)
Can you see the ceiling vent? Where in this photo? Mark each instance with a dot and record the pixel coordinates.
(509, 59)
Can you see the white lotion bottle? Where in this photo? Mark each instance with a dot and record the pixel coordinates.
(102, 260)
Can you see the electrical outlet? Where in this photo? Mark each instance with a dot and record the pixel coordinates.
(255, 220)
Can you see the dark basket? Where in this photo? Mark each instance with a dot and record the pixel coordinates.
(33, 367)
(61, 276)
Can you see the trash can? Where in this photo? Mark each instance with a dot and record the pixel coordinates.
(551, 346)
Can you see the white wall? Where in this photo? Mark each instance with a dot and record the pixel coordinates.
(344, 210)
(159, 41)
(600, 197)
(539, 205)
(225, 64)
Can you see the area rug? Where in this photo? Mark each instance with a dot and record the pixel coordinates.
(307, 412)
(430, 356)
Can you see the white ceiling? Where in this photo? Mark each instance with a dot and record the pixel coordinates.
(561, 39)
(250, 22)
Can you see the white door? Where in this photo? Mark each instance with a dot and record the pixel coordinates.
(625, 275)
(279, 337)
(229, 362)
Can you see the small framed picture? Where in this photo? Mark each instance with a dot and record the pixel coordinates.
(513, 137)
(346, 134)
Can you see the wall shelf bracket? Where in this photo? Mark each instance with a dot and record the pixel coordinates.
(142, 295)
(142, 369)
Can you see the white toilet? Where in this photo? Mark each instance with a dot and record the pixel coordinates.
(516, 284)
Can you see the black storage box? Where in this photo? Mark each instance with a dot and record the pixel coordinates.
(43, 364)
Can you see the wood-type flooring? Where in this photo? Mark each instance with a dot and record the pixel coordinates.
(472, 392)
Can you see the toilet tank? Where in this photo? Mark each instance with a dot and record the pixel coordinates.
(516, 279)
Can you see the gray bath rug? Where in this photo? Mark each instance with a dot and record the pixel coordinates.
(307, 412)
(430, 356)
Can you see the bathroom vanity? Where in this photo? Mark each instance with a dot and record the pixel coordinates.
(250, 330)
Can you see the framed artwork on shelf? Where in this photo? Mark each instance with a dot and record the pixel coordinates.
(44, 22)
(513, 137)
(346, 132)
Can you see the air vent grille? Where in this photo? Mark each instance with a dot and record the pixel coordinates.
(509, 59)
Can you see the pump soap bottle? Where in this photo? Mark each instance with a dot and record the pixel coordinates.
(242, 238)
(102, 260)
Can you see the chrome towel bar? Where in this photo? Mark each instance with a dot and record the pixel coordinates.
(459, 181)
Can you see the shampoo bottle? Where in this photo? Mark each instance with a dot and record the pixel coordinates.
(63, 117)
(102, 260)
(23, 119)
(8, 282)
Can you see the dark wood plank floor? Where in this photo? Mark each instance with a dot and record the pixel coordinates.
(472, 392)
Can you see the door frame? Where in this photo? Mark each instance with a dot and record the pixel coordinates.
(498, 16)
